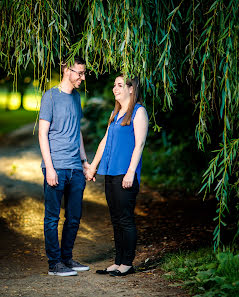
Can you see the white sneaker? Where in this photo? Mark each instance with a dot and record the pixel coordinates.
(76, 266)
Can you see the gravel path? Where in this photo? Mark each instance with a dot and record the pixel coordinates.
(22, 256)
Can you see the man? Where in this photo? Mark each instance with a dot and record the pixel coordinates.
(64, 160)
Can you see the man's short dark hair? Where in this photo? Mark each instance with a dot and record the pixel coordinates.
(77, 60)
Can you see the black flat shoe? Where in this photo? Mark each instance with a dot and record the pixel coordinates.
(118, 273)
(105, 271)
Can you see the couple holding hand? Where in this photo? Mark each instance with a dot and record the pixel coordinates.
(65, 168)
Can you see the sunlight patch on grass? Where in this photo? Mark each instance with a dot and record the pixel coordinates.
(32, 101)
(14, 119)
(12, 101)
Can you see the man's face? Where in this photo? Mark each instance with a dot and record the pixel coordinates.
(76, 74)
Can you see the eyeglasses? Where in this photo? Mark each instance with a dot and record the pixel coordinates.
(81, 73)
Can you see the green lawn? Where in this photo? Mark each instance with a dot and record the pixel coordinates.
(13, 119)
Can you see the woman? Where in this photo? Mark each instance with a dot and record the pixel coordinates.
(120, 153)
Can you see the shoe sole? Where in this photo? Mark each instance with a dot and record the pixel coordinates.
(72, 273)
(80, 268)
(132, 272)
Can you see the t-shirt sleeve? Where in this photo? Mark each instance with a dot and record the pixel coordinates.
(46, 107)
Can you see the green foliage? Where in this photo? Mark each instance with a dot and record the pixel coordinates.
(205, 273)
(33, 32)
(220, 168)
(173, 159)
(170, 167)
(164, 42)
(99, 105)
(183, 265)
(96, 116)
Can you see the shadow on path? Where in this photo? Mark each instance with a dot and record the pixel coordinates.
(22, 255)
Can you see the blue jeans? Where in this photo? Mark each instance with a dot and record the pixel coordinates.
(71, 185)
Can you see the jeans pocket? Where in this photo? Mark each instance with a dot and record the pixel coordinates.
(61, 180)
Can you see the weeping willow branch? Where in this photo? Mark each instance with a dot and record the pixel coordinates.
(27, 28)
(162, 42)
(219, 172)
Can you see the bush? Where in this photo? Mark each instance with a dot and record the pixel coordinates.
(206, 273)
(94, 124)
(171, 167)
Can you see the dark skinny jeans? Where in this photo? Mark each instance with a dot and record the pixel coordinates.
(121, 204)
(71, 184)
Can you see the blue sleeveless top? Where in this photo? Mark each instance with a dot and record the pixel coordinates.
(119, 148)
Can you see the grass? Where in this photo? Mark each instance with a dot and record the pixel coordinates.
(204, 272)
(183, 264)
(14, 119)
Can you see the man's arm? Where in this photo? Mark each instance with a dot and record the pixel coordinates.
(83, 156)
(51, 176)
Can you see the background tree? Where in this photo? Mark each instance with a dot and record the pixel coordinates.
(166, 43)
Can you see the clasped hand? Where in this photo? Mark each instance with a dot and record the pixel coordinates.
(89, 172)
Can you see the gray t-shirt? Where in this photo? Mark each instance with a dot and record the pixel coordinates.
(64, 112)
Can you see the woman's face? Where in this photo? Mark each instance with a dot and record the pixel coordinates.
(121, 90)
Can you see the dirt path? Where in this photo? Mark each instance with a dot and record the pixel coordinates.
(22, 257)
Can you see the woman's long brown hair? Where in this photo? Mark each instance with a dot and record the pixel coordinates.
(134, 98)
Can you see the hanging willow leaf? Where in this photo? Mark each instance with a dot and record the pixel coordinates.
(162, 42)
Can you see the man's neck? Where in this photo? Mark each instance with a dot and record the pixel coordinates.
(65, 87)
